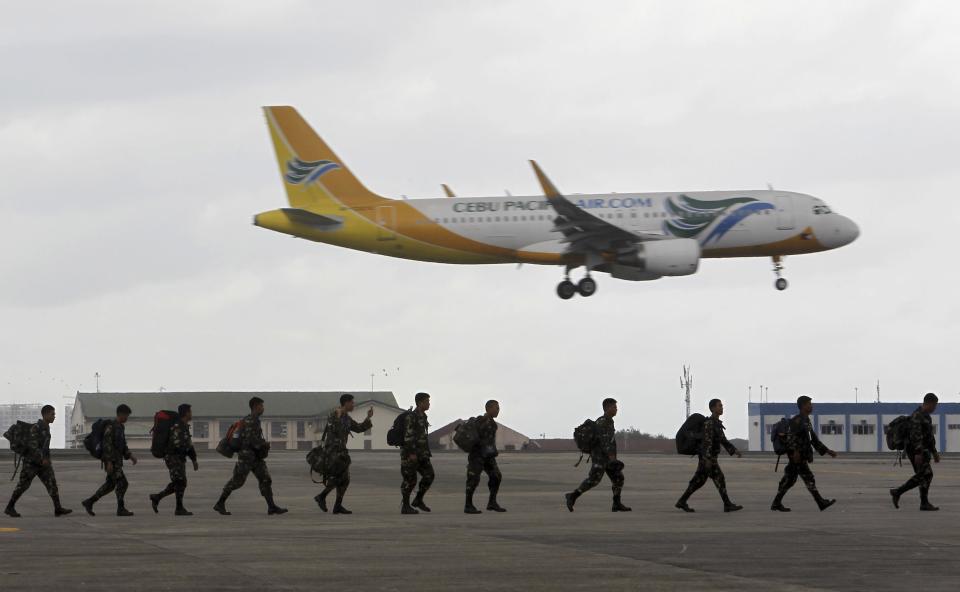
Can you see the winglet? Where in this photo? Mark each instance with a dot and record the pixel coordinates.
(448, 191)
(549, 189)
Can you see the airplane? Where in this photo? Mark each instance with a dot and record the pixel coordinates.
(631, 236)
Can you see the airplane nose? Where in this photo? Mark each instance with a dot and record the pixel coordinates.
(843, 232)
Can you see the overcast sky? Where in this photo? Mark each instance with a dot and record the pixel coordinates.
(133, 155)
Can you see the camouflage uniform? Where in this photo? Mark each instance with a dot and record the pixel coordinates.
(601, 461)
(179, 447)
(709, 463)
(336, 455)
(250, 459)
(415, 430)
(921, 442)
(115, 451)
(802, 439)
(38, 450)
(483, 459)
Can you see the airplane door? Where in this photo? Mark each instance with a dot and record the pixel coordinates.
(785, 215)
(387, 222)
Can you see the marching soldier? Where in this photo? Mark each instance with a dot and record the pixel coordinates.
(115, 451)
(337, 457)
(921, 447)
(801, 441)
(36, 463)
(709, 463)
(179, 447)
(603, 459)
(250, 459)
(483, 459)
(415, 457)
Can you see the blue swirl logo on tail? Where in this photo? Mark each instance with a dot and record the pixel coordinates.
(304, 172)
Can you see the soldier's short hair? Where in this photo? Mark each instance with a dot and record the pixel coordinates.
(345, 397)
(420, 397)
(930, 398)
(490, 404)
(255, 401)
(608, 402)
(183, 409)
(47, 409)
(803, 400)
(123, 409)
(712, 404)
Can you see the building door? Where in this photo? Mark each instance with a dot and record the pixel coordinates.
(785, 215)
(387, 221)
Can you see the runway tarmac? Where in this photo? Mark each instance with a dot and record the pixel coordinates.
(862, 543)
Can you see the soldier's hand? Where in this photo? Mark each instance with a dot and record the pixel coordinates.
(109, 467)
(795, 457)
(413, 458)
(195, 466)
(832, 453)
(613, 457)
(738, 454)
(133, 459)
(370, 413)
(918, 459)
(46, 462)
(936, 457)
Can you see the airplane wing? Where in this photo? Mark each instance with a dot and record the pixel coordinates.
(585, 233)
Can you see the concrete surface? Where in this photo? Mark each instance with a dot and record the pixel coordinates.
(862, 543)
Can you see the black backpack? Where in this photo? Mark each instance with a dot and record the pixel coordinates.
(585, 435)
(467, 435)
(690, 435)
(18, 435)
(395, 433)
(898, 433)
(93, 442)
(778, 436)
(163, 422)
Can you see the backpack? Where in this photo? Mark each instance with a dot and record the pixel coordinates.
(395, 433)
(690, 435)
(585, 435)
(93, 442)
(163, 422)
(897, 433)
(467, 435)
(315, 462)
(230, 443)
(778, 436)
(18, 434)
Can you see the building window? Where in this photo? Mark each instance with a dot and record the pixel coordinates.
(201, 429)
(224, 428)
(953, 426)
(831, 429)
(301, 430)
(863, 429)
(278, 429)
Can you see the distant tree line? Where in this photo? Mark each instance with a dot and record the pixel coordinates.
(634, 433)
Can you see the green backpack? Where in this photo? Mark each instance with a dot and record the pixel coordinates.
(18, 435)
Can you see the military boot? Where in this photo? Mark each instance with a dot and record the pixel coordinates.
(682, 502)
(925, 504)
(405, 507)
(273, 509)
(58, 509)
(121, 511)
(571, 499)
(729, 506)
(88, 505)
(338, 505)
(418, 503)
(221, 506)
(493, 506)
(823, 503)
(468, 507)
(181, 511)
(321, 498)
(618, 505)
(155, 502)
(895, 495)
(11, 511)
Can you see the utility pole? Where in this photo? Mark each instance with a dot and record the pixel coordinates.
(686, 383)
(856, 394)
(878, 390)
(749, 394)
(96, 375)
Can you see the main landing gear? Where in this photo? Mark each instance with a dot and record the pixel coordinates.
(585, 287)
(781, 282)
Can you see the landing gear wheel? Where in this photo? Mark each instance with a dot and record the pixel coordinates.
(587, 287)
(781, 284)
(566, 289)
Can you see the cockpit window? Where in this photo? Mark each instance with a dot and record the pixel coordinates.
(821, 209)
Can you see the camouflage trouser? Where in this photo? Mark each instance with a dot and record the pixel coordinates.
(177, 467)
(116, 481)
(244, 467)
(410, 468)
(476, 465)
(708, 468)
(30, 470)
(600, 464)
(922, 476)
(790, 474)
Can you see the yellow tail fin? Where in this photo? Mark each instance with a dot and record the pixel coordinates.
(313, 175)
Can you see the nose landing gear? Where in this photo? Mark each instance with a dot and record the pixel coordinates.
(781, 282)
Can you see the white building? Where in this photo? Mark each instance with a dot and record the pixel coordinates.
(853, 427)
(291, 421)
